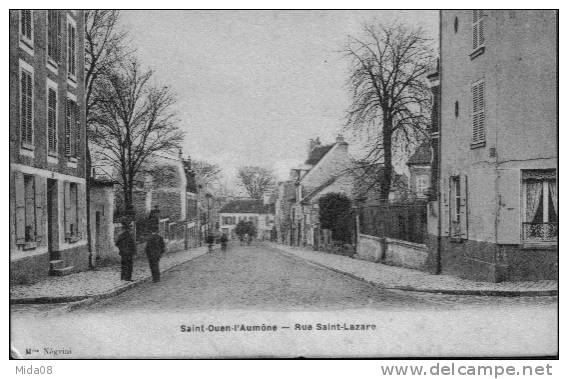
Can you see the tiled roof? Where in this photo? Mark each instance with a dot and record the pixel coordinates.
(246, 206)
(317, 154)
(422, 155)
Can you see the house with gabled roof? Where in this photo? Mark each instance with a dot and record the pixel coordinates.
(260, 213)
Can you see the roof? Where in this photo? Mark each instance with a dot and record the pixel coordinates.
(247, 206)
(422, 155)
(317, 154)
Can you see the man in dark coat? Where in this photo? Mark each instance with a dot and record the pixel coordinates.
(127, 249)
(154, 250)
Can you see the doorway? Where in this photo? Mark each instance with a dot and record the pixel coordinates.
(51, 211)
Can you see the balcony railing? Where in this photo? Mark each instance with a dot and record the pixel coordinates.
(540, 231)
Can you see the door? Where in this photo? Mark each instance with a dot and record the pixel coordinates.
(98, 237)
(51, 197)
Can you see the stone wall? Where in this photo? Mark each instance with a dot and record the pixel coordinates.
(392, 252)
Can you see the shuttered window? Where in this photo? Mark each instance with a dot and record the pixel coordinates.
(54, 21)
(52, 120)
(71, 52)
(26, 106)
(71, 131)
(478, 18)
(478, 114)
(26, 26)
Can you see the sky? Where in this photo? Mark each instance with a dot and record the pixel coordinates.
(254, 86)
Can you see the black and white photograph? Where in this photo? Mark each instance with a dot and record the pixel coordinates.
(248, 184)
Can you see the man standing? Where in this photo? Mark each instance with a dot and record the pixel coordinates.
(127, 249)
(154, 250)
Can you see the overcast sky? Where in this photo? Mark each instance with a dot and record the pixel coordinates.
(254, 86)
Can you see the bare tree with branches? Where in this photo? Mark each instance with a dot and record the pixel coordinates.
(105, 47)
(132, 121)
(256, 180)
(390, 97)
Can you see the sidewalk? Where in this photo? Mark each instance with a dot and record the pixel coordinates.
(391, 277)
(95, 284)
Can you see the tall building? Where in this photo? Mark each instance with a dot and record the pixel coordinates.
(497, 215)
(47, 144)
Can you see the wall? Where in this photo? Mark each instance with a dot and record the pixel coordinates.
(392, 252)
(102, 201)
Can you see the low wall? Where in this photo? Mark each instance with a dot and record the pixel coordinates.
(393, 252)
(370, 248)
(406, 254)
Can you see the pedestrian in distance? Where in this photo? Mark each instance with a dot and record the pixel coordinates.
(210, 240)
(155, 248)
(127, 250)
(223, 240)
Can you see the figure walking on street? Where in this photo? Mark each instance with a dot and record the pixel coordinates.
(127, 250)
(154, 250)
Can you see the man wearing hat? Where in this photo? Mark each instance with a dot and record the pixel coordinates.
(154, 249)
(127, 249)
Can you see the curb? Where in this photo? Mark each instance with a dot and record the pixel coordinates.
(503, 293)
(83, 300)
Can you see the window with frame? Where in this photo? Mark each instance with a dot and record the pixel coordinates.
(54, 35)
(71, 129)
(26, 107)
(478, 28)
(478, 113)
(52, 120)
(27, 27)
(71, 50)
(540, 201)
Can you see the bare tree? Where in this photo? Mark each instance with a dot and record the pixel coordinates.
(133, 120)
(390, 97)
(206, 172)
(256, 180)
(104, 48)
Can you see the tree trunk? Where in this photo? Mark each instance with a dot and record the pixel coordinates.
(88, 165)
(386, 179)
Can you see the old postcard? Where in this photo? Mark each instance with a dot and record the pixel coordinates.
(283, 183)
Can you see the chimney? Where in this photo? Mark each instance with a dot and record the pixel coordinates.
(312, 144)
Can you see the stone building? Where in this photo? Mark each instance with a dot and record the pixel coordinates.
(496, 217)
(256, 211)
(47, 144)
(102, 205)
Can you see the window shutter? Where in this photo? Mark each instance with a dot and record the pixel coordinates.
(20, 208)
(29, 110)
(478, 115)
(464, 221)
(24, 106)
(77, 121)
(446, 201)
(81, 210)
(52, 119)
(67, 208)
(40, 200)
(68, 121)
(72, 52)
(59, 27)
(509, 216)
(481, 29)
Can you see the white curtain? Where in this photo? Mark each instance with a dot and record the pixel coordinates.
(552, 194)
(534, 195)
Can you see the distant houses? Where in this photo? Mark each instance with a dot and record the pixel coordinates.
(259, 212)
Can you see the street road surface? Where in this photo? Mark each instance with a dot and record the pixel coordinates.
(255, 301)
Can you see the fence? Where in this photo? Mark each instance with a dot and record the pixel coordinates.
(406, 222)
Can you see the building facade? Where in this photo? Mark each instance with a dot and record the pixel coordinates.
(255, 211)
(496, 217)
(47, 144)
